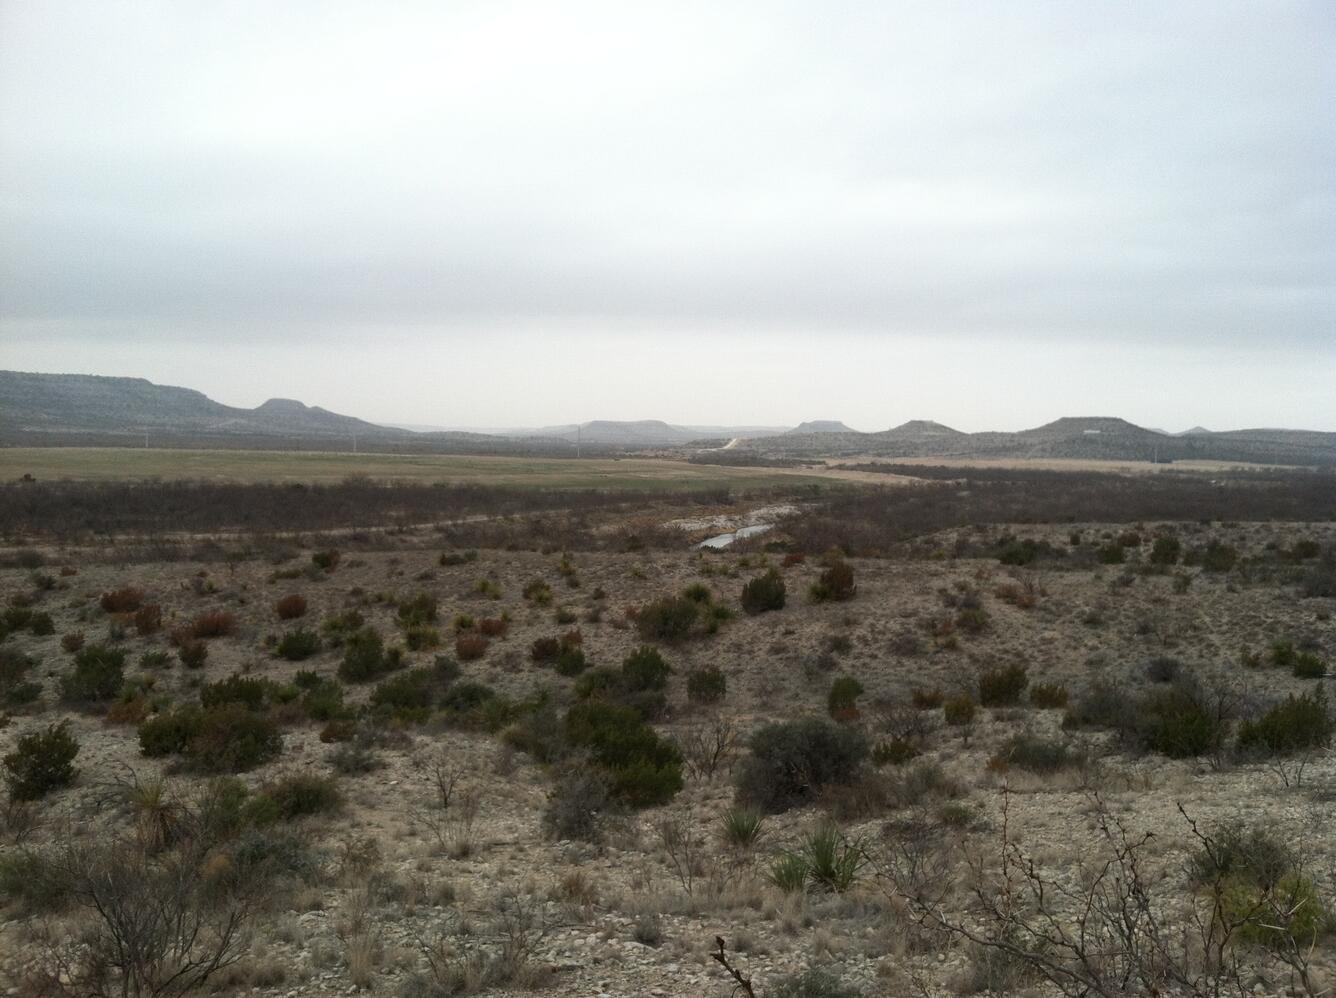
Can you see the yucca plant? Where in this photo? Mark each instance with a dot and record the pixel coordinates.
(158, 817)
(833, 861)
(743, 827)
(789, 872)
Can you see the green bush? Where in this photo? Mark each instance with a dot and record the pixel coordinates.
(412, 693)
(644, 669)
(792, 761)
(570, 661)
(1165, 551)
(706, 685)
(98, 674)
(895, 752)
(813, 983)
(1215, 557)
(763, 593)
(325, 560)
(298, 645)
(252, 692)
(1296, 724)
(643, 770)
(323, 700)
(42, 761)
(1175, 723)
(835, 583)
(959, 711)
(419, 611)
(1048, 695)
(365, 657)
(232, 739)
(168, 733)
(338, 627)
(42, 625)
(15, 690)
(538, 592)
(302, 795)
(843, 697)
(1309, 666)
(1112, 553)
(669, 619)
(1034, 754)
(1002, 687)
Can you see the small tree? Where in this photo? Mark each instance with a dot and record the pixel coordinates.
(765, 592)
(42, 761)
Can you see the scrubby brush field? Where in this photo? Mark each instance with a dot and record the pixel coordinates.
(1020, 758)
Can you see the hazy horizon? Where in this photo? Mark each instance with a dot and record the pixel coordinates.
(991, 215)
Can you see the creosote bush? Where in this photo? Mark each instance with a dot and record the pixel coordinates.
(97, 676)
(1002, 687)
(669, 619)
(836, 582)
(959, 711)
(365, 657)
(791, 762)
(1296, 724)
(763, 593)
(842, 699)
(706, 685)
(42, 761)
(642, 769)
(298, 645)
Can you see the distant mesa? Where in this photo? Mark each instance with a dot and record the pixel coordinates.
(822, 426)
(922, 429)
(91, 410)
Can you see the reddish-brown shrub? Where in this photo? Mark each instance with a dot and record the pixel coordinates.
(572, 638)
(148, 619)
(544, 649)
(192, 653)
(213, 625)
(493, 627)
(73, 641)
(128, 711)
(796, 558)
(124, 600)
(291, 607)
(470, 645)
(68, 570)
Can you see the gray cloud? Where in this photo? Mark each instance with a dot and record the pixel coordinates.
(1144, 173)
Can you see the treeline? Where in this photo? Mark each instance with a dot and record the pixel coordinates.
(872, 522)
(82, 510)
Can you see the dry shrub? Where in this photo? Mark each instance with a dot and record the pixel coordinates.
(470, 646)
(291, 607)
(148, 619)
(73, 641)
(127, 599)
(1016, 594)
(493, 627)
(212, 625)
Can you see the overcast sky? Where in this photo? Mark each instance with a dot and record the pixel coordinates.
(522, 213)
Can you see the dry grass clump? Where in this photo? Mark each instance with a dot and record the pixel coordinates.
(127, 599)
(291, 607)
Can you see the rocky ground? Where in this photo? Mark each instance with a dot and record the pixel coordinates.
(396, 888)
